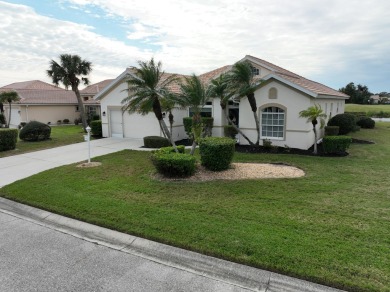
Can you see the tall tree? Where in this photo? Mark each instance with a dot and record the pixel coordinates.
(313, 114)
(194, 95)
(244, 84)
(358, 94)
(219, 88)
(70, 72)
(147, 85)
(10, 97)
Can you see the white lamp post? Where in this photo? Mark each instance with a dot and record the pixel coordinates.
(88, 128)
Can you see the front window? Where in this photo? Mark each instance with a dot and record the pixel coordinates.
(272, 123)
(205, 112)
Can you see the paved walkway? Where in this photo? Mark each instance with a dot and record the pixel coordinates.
(42, 251)
(16, 167)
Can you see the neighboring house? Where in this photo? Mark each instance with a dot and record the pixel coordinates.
(282, 95)
(43, 102)
(88, 93)
(374, 99)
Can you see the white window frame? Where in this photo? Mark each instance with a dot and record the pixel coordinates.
(280, 121)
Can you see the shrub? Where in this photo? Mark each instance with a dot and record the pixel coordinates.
(174, 164)
(35, 131)
(216, 152)
(207, 123)
(230, 131)
(77, 121)
(170, 149)
(346, 123)
(332, 130)
(95, 117)
(366, 123)
(156, 142)
(2, 119)
(96, 128)
(65, 121)
(267, 144)
(59, 122)
(336, 144)
(8, 139)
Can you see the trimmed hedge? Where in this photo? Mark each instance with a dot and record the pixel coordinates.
(170, 149)
(332, 130)
(174, 164)
(207, 123)
(156, 142)
(346, 123)
(35, 131)
(366, 123)
(336, 144)
(230, 131)
(8, 139)
(96, 128)
(216, 153)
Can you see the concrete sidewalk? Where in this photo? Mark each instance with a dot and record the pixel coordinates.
(133, 264)
(20, 166)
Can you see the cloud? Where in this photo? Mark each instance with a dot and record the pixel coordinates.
(308, 37)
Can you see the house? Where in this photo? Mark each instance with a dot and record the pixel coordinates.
(88, 93)
(280, 98)
(43, 102)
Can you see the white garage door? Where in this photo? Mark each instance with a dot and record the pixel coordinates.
(139, 126)
(116, 123)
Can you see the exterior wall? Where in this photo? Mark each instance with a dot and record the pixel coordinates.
(298, 133)
(42, 113)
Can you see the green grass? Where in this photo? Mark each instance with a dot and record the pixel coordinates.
(367, 108)
(60, 136)
(331, 226)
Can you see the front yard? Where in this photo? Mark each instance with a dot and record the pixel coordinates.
(331, 226)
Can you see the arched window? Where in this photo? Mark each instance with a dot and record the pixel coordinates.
(272, 93)
(272, 123)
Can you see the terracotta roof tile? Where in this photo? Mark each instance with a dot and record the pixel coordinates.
(96, 87)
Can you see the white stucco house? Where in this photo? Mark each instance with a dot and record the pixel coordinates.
(282, 95)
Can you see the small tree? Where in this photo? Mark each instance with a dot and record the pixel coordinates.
(313, 114)
(70, 72)
(10, 97)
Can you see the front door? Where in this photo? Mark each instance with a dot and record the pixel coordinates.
(116, 123)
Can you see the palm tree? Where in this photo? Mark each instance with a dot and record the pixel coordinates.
(9, 96)
(147, 86)
(313, 114)
(219, 88)
(70, 72)
(242, 81)
(193, 95)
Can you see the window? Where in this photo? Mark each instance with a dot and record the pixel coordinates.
(205, 112)
(255, 71)
(272, 123)
(273, 93)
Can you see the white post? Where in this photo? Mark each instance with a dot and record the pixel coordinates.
(89, 143)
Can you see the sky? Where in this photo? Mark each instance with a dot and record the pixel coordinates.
(333, 42)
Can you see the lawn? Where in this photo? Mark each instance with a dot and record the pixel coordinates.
(331, 226)
(367, 108)
(60, 136)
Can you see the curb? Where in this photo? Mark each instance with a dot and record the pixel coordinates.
(250, 278)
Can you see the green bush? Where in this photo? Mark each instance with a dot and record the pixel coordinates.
(96, 128)
(380, 114)
(8, 139)
(346, 123)
(170, 149)
(35, 131)
(332, 130)
(174, 164)
(216, 152)
(156, 142)
(336, 144)
(366, 123)
(230, 131)
(207, 123)
(65, 121)
(2, 119)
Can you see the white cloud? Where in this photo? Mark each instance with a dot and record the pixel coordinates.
(309, 37)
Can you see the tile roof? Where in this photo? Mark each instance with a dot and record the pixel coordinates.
(38, 92)
(96, 87)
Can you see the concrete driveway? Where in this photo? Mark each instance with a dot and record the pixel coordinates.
(16, 167)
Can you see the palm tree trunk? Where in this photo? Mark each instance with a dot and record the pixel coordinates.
(252, 103)
(168, 135)
(315, 139)
(9, 115)
(193, 147)
(235, 127)
(81, 107)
